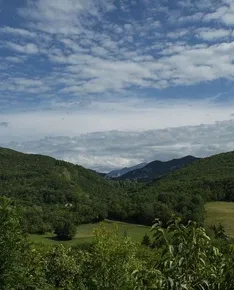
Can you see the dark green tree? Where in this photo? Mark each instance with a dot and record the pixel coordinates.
(146, 241)
(12, 246)
(65, 230)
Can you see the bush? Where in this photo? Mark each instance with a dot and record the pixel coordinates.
(65, 230)
(146, 241)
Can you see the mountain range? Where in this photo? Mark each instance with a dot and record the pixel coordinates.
(118, 173)
(152, 170)
(46, 189)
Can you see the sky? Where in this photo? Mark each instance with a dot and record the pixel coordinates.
(113, 83)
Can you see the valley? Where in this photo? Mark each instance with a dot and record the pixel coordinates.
(85, 233)
(215, 213)
(74, 229)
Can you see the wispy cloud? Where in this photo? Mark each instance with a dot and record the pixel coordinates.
(104, 151)
(136, 52)
(209, 34)
(17, 32)
(81, 117)
(76, 67)
(224, 13)
(29, 48)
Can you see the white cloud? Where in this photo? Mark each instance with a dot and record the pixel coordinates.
(191, 18)
(63, 16)
(90, 66)
(103, 115)
(210, 34)
(224, 14)
(104, 151)
(25, 85)
(29, 48)
(14, 59)
(17, 31)
(178, 33)
(120, 55)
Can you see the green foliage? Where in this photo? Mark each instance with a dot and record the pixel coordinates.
(46, 189)
(65, 230)
(62, 269)
(219, 232)
(184, 257)
(188, 260)
(146, 241)
(112, 261)
(11, 245)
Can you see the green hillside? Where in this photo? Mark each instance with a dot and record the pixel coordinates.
(212, 168)
(186, 190)
(46, 188)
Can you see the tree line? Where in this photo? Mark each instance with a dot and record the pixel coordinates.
(50, 192)
(178, 257)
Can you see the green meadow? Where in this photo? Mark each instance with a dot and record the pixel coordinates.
(85, 233)
(220, 212)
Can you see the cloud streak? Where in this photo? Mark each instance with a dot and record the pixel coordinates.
(104, 151)
(77, 67)
(77, 59)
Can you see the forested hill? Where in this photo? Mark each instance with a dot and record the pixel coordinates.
(157, 168)
(46, 188)
(216, 167)
(36, 179)
(185, 191)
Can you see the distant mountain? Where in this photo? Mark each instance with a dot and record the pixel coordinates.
(156, 169)
(120, 172)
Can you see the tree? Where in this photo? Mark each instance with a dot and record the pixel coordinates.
(65, 230)
(187, 258)
(219, 232)
(12, 246)
(146, 241)
(112, 261)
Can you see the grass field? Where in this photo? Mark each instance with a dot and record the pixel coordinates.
(216, 212)
(85, 233)
(221, 212)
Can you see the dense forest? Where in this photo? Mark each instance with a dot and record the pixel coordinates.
(53, 195)
(178, 257)
(41, 194)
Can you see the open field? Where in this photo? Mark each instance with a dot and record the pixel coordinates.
(221, 212)
(85, 233)
(216, 212)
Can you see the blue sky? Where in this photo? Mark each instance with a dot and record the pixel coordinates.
(87, 72)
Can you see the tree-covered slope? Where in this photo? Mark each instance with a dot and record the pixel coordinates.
(157, 168)
(47, 188)
(216, 167)
(41, 179)
(185, 191)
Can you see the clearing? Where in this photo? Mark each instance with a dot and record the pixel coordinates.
(85, 233)
(220, 212)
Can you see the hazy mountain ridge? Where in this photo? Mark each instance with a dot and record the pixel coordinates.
(119, 172)
(157, 168)
(43, 186)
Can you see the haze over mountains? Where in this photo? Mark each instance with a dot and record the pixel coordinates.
(42, 186)
(154, 169)
(121, 172)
